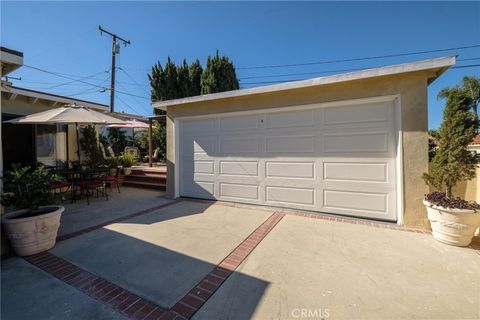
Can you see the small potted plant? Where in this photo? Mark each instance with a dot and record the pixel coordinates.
(33, 227)
(453, 220)
(127, 160)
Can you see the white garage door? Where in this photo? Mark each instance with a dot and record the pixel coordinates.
(331, 159)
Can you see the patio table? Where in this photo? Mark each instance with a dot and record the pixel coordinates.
(87, 180)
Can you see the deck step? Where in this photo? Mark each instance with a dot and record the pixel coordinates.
(147, 178)
(145, 185)
(148, 172)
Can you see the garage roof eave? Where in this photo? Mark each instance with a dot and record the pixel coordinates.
(437, 66)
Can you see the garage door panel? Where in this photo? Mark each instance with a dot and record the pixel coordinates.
(204, 167)
(354, 200)
(239, 168)
(290, 144)
(358, 116)
(239, 191)
(290, 119)
(339, 160)
(240, 123)
(356, 142)
(201, 189)
(201, 126)
(242, 145)
(199, 145)
(290, 169)
(282, 195)
(355, 171)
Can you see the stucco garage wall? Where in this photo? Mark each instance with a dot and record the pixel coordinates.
(412, 87)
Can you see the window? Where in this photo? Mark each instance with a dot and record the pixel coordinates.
(51, 145)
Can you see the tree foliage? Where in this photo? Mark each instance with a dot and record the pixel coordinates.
(159, 139)
(471, 88)
(219, 75)
(117, 139)
(89, 145)
(433, 137)
(453, 162)
(172, 81)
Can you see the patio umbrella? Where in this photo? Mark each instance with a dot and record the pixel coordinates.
(68, 114)
(132, 124)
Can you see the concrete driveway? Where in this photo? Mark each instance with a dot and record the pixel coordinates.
(206, 260)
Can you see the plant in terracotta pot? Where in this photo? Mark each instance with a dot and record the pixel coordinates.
(33, 227)
(453, 220)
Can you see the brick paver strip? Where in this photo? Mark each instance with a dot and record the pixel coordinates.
(186, 307)
(123, 218)
(319, 215)
(108, 293)
(135, 307)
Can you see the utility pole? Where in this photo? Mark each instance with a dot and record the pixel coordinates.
(115, 51)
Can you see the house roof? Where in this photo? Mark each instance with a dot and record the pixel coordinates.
(53, 98)
(11, 60)
(437, 66)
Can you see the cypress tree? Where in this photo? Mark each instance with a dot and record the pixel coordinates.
(171, 80)
(157, 83)
(195, 75)
(183, 80)
(219, 75)
(453, 162)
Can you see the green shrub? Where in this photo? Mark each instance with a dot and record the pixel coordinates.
(127, 160)
(24, 188)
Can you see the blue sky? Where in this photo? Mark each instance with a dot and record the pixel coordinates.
(63, 37)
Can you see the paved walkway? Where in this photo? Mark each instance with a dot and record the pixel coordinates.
(200, 260)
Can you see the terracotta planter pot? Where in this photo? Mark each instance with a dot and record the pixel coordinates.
(127, 171)
(452, 226)
(32, 235)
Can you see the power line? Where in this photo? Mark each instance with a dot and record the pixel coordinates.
(359, 59)
(322, 72)
(302, 73)
(91, 90)
(134, 81)
(81, 81)
(136, 101)
(289, 80)
(76, 80)
(469, 66)
(130, 107)
(468, 59)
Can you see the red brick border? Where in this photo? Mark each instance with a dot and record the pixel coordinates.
(98, 288)
(186, 307)
(106, 223)
(322, 216)
(319, 215)
(135, 307)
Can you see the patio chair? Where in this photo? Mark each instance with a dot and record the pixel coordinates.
(93, 183)
(155, 155)
(110, 151)
(102, 149)
(133, 151)
(109, 180)
(60, 187)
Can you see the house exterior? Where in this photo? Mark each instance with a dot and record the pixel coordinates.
(351, 144)
(50, 145)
